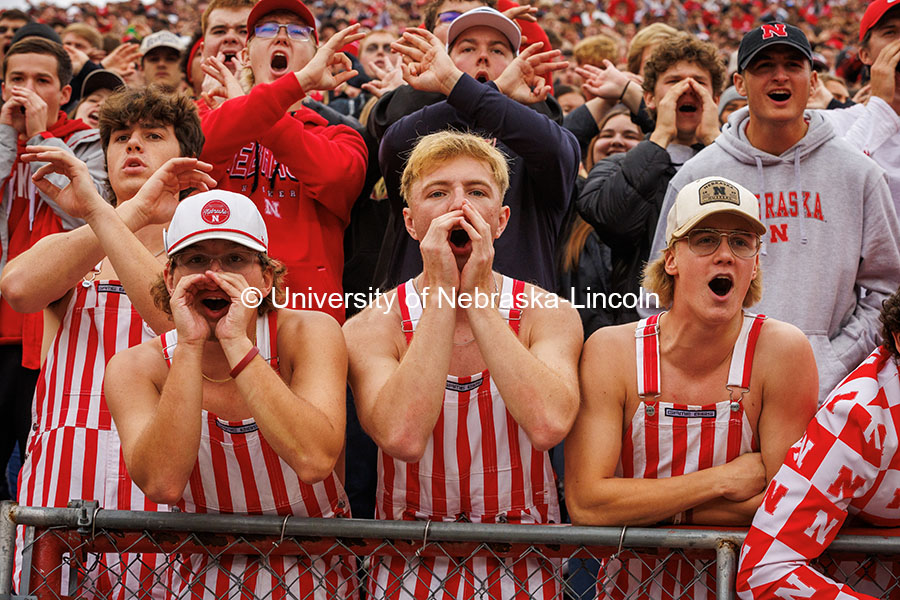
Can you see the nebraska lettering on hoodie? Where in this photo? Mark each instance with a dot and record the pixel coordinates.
(302, 174)
(832, 232)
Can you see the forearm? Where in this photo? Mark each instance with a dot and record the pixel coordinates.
(407, 407)
(540, 400)
(281, 414)
(726, 512)
(165, 452)
(611, 501)
(135, 266)
(48, 270)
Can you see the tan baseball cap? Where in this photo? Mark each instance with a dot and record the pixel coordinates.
(708, 196)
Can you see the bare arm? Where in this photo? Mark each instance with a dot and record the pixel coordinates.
(399, 401)
(594, 495)
(48, 270)
(159, 430)
(312, 347)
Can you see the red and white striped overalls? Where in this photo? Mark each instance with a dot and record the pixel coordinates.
(666, 440)
(73, 450)
(478, 466)
(238, 472)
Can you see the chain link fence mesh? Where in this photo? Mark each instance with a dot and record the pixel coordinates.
(369, 559)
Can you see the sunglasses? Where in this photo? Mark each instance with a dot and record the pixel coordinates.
(301, 33)
(449, 16)
(5, 29)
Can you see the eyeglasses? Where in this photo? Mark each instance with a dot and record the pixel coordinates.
(235, 262)
(8, 28)
(704, 242)
(448, 16)
(301, 33)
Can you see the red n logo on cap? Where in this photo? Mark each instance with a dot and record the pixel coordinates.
(215, 212)
(774, 29)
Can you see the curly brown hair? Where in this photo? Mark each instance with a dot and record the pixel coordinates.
(890, 322)
(685, 47)
(161, 296)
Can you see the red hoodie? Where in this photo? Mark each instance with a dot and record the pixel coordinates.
(303, 175)
(29, 219)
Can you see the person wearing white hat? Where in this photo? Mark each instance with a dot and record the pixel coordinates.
(488, 87)
(236, 381)
(686, 415)
(160, 53)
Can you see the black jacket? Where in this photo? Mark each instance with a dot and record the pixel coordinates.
(622, 200)
(543, 166)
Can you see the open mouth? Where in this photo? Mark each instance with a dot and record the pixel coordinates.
(459, 238)
(229, 57)
(721, 285)
(780, 96)
(215, 304)
(482, 77)
(687, 107)
(279, 61)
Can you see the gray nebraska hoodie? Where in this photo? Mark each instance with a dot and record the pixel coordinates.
(833, 232)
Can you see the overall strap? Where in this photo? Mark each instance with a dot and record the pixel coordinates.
(742, 357)
(169, 340)
(406, 294)
(646, 345)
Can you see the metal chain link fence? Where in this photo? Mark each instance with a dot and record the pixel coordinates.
(84, 552)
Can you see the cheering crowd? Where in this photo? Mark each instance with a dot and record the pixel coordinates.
(560, 217)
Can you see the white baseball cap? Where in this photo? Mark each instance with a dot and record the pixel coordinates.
(708, 196)
(487, 17)
(164, 39)
(216, 215)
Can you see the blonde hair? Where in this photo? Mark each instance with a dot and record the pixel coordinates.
(662, 284)
(592, 50)
(436, 148)
(652, 34)
(83, 30)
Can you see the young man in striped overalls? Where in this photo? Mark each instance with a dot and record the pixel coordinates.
(686, 415)
(465, 378)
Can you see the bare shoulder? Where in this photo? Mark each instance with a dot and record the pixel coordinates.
(377, 326)
(779, 340)
(307, 325)
(613, 345)
(138, 363)
(547, 314)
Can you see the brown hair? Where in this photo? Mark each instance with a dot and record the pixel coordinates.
(593, 50)
(656, 280)
(85, 31)
(161, 296)
(154, 104)
(652, 34)
(685, 47)
(890, 322)
(436, 148)
(38, 45)
(217, 4)
(432, 9)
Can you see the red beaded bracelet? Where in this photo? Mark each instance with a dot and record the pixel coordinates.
(244, 362)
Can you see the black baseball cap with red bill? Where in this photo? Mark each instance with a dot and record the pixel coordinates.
(873, 14)
(772, 34)
(264, 7)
